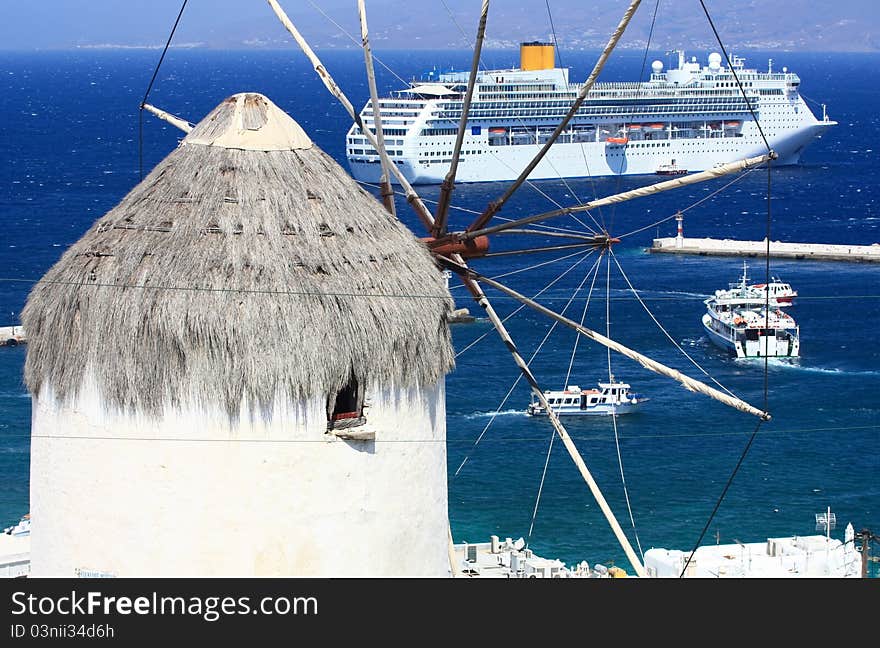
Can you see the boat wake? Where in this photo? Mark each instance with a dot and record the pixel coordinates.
(783, 364)
(485, 415)
(677, 293)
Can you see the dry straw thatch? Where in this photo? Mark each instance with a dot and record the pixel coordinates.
(232, 276)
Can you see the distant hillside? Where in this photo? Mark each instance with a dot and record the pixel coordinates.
(803, 25)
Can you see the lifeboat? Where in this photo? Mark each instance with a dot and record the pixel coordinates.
(635, 127)
(617, 140)
(498, 131)
(655, 126)
(731, 124)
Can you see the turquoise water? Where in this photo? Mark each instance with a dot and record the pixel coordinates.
(71, 154)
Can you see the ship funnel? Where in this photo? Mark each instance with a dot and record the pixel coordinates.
(536, 56)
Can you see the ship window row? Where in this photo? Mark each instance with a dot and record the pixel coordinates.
(613, 85)
(705, 98)
(363, 141)
(390, 131)
(683, 94)
(426, 154)
(374, 160)
(391, 121)
(650, 113)
(516, 87)
(368, 112)
(731, 84)
(590, 135)
(387, 132)
(546, 109)
(440, 131)
(563, 401)
(672, 92)
(415, 104)
(371, 151)
(640, 103)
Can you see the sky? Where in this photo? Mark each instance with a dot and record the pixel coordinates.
(793, 24)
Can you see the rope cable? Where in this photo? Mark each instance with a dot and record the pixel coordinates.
(149, 88)
(766, 313)
(735, 76)
(356, 41)
(641, 75)
(599, 438)
(577, 338)
(699, 202)
(541, 488)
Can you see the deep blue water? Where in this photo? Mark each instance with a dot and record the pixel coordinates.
(70, 152)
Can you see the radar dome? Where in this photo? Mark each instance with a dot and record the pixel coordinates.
(714, 61)
(657, 67)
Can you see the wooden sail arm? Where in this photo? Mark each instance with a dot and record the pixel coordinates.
(385, 181)
(565, 235)
(548, 248)
(442, 213)
(496, 205)
(182, 124)
(411, 196)
(666, 185)
(689, 383)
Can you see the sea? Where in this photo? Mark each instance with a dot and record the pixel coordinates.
(682, 469)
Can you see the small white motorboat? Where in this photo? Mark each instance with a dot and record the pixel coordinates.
(612, 397)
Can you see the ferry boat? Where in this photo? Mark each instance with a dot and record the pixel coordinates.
(738, 319)
(612, 397)
(696, 115)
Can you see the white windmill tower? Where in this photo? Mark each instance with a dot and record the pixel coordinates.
(224, 382)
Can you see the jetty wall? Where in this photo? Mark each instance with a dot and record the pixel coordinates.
(778, 249)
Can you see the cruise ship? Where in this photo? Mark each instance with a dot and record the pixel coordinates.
(692, 117)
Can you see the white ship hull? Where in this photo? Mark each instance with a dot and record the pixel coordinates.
(594, 159)
(595, 410)
(611, 398)
(768, 345)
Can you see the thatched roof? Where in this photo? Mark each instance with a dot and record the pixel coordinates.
(247, 265)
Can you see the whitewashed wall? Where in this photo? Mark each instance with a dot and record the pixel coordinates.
(191, 495)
